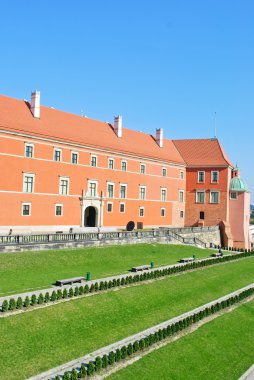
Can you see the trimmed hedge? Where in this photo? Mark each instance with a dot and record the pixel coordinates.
(139, 345)
(104, 285)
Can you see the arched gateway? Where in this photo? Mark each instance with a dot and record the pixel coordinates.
(90, 217)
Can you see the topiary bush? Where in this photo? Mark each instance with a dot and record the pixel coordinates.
(5, 306)
(129, 349)
(118, 355)
(74, 374)
(33, 299)
(65, 293)
(40, 299)
(83, 371)
(47, 297)
(59, 294)
(86, 289)
(53, 296)
(19, 303)
(66, 376)
(90, 369)
(123, 352)
(81, 290)
(71, 293)
(98, 364)
(104, 361)
(111, 358)
(12, 304)
(76, 291)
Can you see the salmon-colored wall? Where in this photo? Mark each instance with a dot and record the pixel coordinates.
(239, 219)
(214, 213)
(13, 165)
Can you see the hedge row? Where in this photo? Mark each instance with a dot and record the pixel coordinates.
(231, 248)
(60, 294)
(112, 357)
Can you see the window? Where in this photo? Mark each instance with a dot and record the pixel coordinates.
(57, 154)
(28, 183)
(29, 150)
(201, 215)
(110, 190)
(58, 210)
(123, 191)
(142, 168)
(64, 186)
(109, 207)
(214, 197)
(124, 166)
(181, 196)
(122, 207)
(214, 177)
(141, 211)
(200, 196)
(93, 161)
(164, 172)
(110, 163)
(181, 214)
(201, 177)
(181, 174)
(233, 195)
(92, 188)
(26, 209)
(163, 194)
(163, 212)
(74, 158)
(142, 192)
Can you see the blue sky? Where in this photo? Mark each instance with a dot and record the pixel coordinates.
(168, 64)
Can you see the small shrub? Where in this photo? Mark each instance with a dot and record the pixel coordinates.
(40, 299)
(19, 303)
(33, 299)
(90, 369)
(53, 296)
(129, 349)
(104, 361)
(98, 364)
(110, 284)
(136, 346)
(83, 371)
(76, 291)
(59, 294)
(105, 285)
(92, 288)
(57, 378)
(81, 290)
(66, 376)
(111, 358)
(101, 287)
(65, 293)
(118, 355)
(5, 306)
(123, 352)
(141, 344)
(71, 293)
(96, 287)
(86, 289)
(74, 374)
(47, 297)
(12, 304)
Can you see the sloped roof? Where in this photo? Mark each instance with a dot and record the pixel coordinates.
(238, 184)
(15, 116)
(202, 152)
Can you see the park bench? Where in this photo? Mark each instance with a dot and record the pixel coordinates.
(217, 254)
(186, 260)
(69, 281)
(140, 268)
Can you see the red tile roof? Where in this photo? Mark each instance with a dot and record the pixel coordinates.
(202, 152)
(15, 116)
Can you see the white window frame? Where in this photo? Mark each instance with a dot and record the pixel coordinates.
(181, 214)
(142, 208)
(233, 192)
(201, 171)
(30, 175)
(120, 195)
(181, 196)
(122, 162)
(163, 211)
(162, 192)
(113, 161)
(214, 171)
(110, 203)
(164, 170)
(141, 166)
(200, 191)
(111, 184)
(181, 174)
(57, 150)
(30, 146)
(77, 153)
(30, 208)
(91, 160)
(59, 205)
(142, 195)
(122, 203)
(63, 178)
(214, 191)
(90, 182)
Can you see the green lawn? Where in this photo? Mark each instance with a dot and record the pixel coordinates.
(36, 341)
(26, 271)
(221, 349)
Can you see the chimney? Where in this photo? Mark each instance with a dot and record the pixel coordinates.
(159, 137)
(35, 103)
(118, 126)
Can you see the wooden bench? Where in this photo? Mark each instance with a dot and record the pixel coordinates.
(186, 260)
(69, 281)
(140, 268)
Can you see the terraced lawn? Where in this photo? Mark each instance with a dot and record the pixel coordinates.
(36, 341)
(221, 349)
(24, 271)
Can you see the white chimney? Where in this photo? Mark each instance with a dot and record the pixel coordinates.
(118, 127)
(159, 137)
(35, 103)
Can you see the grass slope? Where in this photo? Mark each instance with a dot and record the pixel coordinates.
(23, 271)
(36, 341)
(222, 349)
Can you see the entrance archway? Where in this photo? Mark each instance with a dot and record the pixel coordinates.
(90, 217)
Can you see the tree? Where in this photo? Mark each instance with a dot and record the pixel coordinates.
(33, 299)
(74, 374)
(71, 293)
(47, 297)
(12, 304)
(5, 306)
(90, 369)
(19, 303)
(98, 364)
(53, 296)
(111, 358)
(104, 361)
(59, 294)
(65, 293)
(40, 299)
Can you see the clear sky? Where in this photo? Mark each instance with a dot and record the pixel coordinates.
(159, 63)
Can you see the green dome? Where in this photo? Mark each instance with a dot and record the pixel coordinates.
(238, 184)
